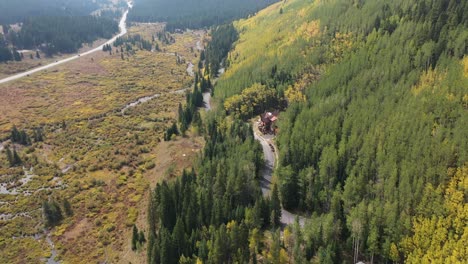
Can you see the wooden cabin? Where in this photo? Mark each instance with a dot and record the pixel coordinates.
(267, 122)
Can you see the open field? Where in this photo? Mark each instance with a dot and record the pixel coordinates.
(99, 158)
(14, 67)
(94, 84)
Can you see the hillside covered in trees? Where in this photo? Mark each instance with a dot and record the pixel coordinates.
(16, 11)
(181, 14)
(64, 34)
(373, 144)
(53, 26)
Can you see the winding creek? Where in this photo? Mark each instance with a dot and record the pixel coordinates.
(28, 174)
(151, 97)
(53, 251)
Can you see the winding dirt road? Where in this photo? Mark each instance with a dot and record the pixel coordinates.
(271, 155)
(207, 100)
(123, 31)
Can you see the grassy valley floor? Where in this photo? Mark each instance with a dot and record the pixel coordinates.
(99, 157)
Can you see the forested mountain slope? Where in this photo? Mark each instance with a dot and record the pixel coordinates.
(52, 26)
(62, 33)
(16, 11)
(181, 14)
(374, 143)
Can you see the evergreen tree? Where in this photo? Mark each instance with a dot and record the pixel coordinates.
(15, 135)
(289, 188)
(16, 55)
(167, 248)
(38, 135)
(135, 238)
(16, 159)
(178, 237)
(298, 252)
(141, 237)
(5, 54)
(9, 155)
(67, 207)
(275, 208)
(202, 55)
(52, 213)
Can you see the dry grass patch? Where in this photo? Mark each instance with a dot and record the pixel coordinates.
(92, 85)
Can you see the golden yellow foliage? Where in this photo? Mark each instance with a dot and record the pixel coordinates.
(284, 258)
(257, 97)
(269, 33)
(443, 238)
(231, 224)
(294, 94)
(287, 237)
(309, 30)
(428, 79)
(465, 66)
(341, 43)
(394, 254)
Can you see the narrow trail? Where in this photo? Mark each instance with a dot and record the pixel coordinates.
(123, 31)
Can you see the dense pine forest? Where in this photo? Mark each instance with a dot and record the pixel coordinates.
(373, 143)
(181, 14)
(53, 26)
(223, 37)
(61, 34)
(16, 11)
(204, 214)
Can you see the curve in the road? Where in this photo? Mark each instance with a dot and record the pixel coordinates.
(123, 31)
(207, 100)
(287, 218)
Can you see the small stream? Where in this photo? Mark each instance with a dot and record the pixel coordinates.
(6, 217)
(148, 98)
(39, 236)
(51, 259)
(53, 251)
(139, 101)
(66, 169)
(190, 69)
(199, 46)
(25, 180)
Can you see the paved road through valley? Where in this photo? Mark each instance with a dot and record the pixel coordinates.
(123, 31)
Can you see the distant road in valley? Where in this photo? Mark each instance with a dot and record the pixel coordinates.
(123, 31)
